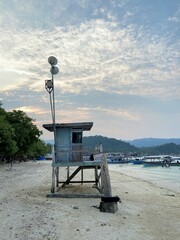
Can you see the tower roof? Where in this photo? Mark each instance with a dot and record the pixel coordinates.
(85, 126)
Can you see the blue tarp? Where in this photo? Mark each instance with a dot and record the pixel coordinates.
(40, 158)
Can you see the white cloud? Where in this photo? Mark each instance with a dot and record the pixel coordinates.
(32, 109)
(176, 16)
(98, 52)
(90, 54)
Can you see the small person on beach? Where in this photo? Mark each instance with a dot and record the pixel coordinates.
(91, 158)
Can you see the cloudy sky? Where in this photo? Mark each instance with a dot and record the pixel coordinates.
(119, 63)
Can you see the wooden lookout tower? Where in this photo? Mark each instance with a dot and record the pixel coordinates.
(69, 152)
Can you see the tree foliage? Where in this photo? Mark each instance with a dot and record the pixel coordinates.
(19, 136)
(8, 145)
(26, 133)
(39, 148)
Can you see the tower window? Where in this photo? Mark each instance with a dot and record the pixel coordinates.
(77, 137)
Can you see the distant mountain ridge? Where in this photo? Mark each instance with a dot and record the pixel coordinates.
(150, 146)
(152, 142)
(109, 144)
(141, 142)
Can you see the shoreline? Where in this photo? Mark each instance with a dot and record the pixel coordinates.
(158, 176)
(146, 211)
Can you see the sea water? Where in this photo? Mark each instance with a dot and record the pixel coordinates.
(166, 177)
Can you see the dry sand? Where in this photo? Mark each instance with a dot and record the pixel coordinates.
(145, 213)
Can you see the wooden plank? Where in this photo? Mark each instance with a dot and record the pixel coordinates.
(71, 177)
(53, 180)
(82, 176)
(72, 195)
(85, 181)
(68, 172)
(57, 177)
(85, 163)
(105, 178)
(96, 175)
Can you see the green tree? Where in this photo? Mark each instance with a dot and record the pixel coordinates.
(26, 132)
(8, 146)
(39, 148)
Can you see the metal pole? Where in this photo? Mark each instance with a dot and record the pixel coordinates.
(50, 88)
(54, 129)
(54, 121)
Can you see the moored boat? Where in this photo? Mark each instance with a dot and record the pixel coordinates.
(175, 163)
(138, 161)
(164, 161)
(152, 161)
(116, 158)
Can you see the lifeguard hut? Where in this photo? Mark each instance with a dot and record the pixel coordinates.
(69, 152)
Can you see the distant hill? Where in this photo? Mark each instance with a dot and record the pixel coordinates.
(109, 144)
(165, 149)
(150, 142)
(152, 146)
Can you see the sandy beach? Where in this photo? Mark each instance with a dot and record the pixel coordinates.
(147, 212)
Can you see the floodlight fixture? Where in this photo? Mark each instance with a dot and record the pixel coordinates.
(49, 85)
(54, 70)
(52, 60)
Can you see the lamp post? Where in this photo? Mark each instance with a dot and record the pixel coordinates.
(49, 85)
